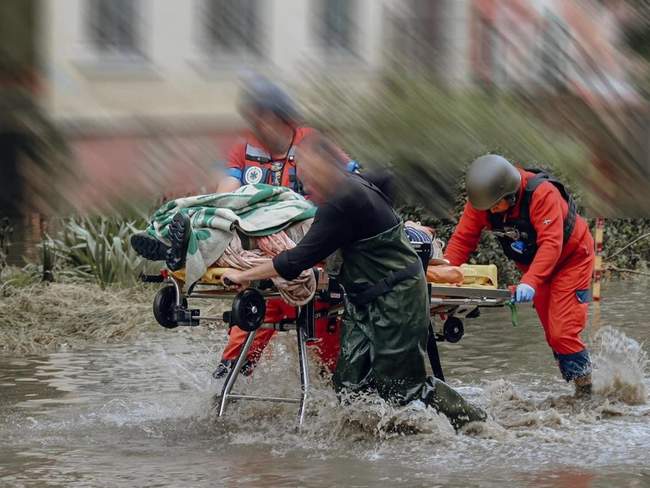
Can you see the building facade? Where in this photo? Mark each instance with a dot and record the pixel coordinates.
(181, 58)
(145, 90)
(135, 84)
(536, 44)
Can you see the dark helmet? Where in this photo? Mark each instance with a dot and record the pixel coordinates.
(259, 94)
(489, 179)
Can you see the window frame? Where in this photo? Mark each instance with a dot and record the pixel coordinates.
(215, 54)
(134, 54)
(338, 50)
(92, 63)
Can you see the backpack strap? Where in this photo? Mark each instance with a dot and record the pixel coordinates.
(532, 184)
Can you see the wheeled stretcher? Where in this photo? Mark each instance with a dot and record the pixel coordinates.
(450, 303)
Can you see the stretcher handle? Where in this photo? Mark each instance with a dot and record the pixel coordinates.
(512, 305)
(147, 278)
(264, 284)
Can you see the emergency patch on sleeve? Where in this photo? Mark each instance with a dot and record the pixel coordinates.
(253, 175)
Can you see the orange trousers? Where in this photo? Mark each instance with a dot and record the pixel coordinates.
(561, 302)
(328, 333)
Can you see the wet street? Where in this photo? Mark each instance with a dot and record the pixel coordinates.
(139, 414)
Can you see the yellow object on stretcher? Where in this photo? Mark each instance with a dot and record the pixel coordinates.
(480, 275)
(474, 276)
(465, 276)
(212, 276)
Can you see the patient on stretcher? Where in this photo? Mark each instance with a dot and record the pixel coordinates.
(254, 223)
(169, 239)
(244, 252)
(200, 232)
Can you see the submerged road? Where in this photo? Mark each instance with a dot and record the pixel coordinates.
(139, 414)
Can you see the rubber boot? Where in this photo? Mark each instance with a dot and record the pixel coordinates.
(179, 236)
(583, 387)
(149, 247)
(449, 402)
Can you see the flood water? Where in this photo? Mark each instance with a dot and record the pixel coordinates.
(138, 414)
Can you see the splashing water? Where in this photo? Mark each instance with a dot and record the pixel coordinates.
(329, 421)
(619, 367)
(140, 414)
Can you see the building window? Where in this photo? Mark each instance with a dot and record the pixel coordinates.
(555, 55)
(337, 25)
(114, 27)
(232, 27)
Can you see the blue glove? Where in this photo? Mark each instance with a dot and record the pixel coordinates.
(524, 293)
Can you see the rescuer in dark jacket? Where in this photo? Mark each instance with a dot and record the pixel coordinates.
(386, 319)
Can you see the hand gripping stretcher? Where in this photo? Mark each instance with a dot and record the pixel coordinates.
(451, 303)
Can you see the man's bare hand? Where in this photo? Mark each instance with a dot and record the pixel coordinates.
(234, 279)
(445, 274)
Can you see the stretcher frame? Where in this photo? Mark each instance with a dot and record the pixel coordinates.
(445, 300)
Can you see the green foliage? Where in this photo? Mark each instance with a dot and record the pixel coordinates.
(618, 234)
(98, 249)
(446, 127)
(430, 134)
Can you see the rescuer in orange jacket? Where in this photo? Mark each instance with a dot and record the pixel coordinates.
(267, 155)
(536, 222)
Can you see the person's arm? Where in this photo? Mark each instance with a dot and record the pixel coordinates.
(242, 279)
(234, 169)
(445, 274)
(547, 219)
(329, 231)
(323, 238)
(228, 184)
(466, 236)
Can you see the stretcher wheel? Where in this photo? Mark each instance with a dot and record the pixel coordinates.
(248, 309)
(453, 329)
(163, 307)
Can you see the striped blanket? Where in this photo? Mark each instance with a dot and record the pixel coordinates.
(255, 210)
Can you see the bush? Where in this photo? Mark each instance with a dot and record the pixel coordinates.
(618, 234)
(98, 249)
(429, 135)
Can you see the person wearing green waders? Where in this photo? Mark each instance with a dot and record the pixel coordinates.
(386, 319)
